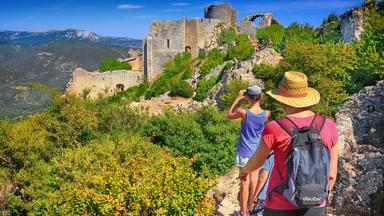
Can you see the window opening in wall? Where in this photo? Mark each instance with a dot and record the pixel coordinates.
(168, 43)
(120, 87)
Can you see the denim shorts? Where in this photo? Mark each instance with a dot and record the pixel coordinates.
(241, 161)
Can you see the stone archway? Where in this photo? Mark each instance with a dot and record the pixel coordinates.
(188, 49)
(248, 26)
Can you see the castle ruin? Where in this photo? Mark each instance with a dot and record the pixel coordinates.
(167, 38)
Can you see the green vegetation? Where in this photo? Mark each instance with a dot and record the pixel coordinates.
(213, 59)
(370, 52)
(181, 88)
(203, 86)
(111, 64)
(239, 44)
(131, 94)
(202, 89)
(274, 32)
(95, 157)
(226, 100)
(242, 50)
(176, 70)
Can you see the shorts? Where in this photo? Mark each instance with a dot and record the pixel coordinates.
(241, 161)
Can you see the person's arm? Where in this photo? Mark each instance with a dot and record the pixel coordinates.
(234, 112)
(334, 156)
(268, 115)
(263, 176)
(257, 159)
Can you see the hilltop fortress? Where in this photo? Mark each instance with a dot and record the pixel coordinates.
(196, 35)
(164, 41)
(167, 38)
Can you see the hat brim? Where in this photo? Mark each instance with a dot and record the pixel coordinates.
(312, 98)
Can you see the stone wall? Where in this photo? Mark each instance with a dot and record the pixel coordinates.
(166, 39)
(104, 83)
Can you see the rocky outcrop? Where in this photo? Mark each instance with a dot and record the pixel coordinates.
(360, 121)
(352, 24)
(244, 72)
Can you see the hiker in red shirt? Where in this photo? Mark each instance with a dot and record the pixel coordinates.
(306, 152)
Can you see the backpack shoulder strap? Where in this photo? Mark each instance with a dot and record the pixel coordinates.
(287, 125)
(318, 122)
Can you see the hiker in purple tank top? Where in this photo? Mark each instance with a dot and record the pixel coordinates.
(252, 125)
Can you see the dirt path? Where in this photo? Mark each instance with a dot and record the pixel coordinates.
(229, 184)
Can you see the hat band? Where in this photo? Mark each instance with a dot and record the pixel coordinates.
(285, 93)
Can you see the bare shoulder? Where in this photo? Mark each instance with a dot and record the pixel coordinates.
(243, 113)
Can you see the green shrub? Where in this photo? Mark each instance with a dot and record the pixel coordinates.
(111, 64)
(370, 52)
(206, 133)
(181, 88)
(227, 36)
(328, 68)
(178, 68)
(214, 58)
(131, 94)
(226, 100)
(75, 121)
(203, 86)
(274, 32)
(202, 54)
(113, 176)
(331, 31)
(299, 33)
(242, 50)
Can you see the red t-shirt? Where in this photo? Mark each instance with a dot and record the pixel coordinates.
(277, 140)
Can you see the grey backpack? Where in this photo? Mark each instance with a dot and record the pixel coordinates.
(307, 165)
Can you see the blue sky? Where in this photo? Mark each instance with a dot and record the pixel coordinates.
(132, 18)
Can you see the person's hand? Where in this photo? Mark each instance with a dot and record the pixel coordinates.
(243, 176)
(241, 94)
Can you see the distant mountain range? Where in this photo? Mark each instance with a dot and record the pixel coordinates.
(49, 58)
(33, 38)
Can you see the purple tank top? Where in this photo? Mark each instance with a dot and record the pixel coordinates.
(250, 133)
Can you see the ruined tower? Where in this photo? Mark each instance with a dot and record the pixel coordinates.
(167, 38)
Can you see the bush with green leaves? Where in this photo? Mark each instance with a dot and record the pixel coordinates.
(227, 36)
(214, 58)
(275, 33)
(233, 88)
(330, 31)
(131, 94)
(112, 176)
(178, 68)
(203, 88)
(243, 49)
(181, 88)
(111, 64)
(328, 68)
(370, 52)
(299, 33)
(206, 133)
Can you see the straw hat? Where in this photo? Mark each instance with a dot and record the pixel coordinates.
(293, 91)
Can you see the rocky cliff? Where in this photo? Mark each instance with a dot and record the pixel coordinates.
(360, 120)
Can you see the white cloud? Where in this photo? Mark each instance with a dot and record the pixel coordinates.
(129, 6)
(181, 4)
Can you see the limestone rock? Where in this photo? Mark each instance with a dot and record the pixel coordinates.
(244, 72)
(360, 122)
